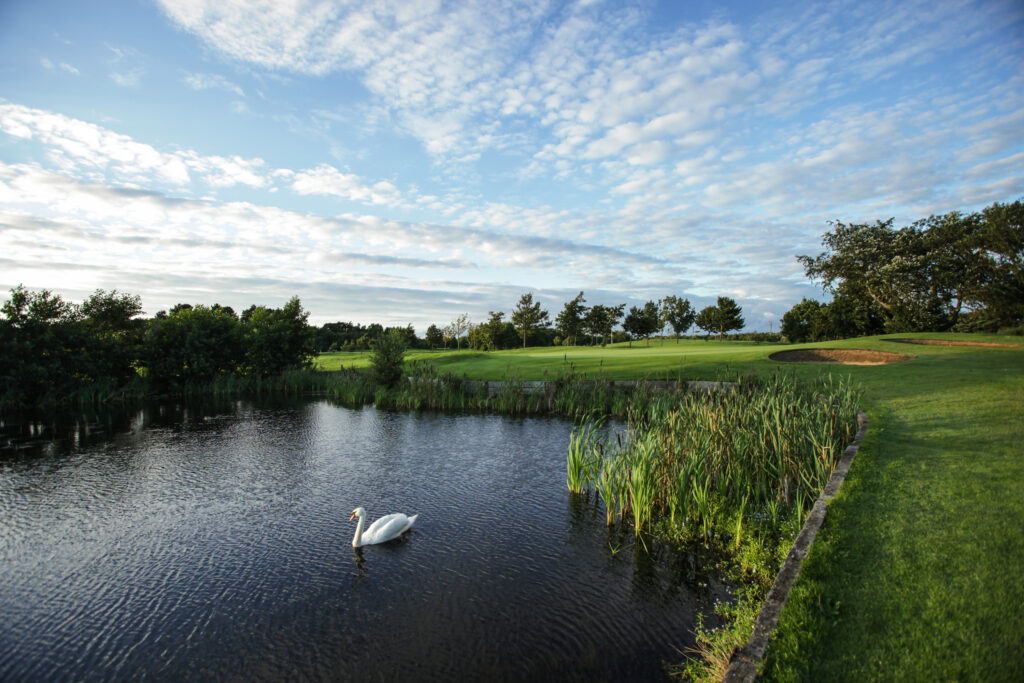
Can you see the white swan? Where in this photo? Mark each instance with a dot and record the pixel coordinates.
(384, 529)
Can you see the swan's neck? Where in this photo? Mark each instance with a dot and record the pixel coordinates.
(357, 540)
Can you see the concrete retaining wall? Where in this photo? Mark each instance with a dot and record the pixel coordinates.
(744, 662)
(542, 387)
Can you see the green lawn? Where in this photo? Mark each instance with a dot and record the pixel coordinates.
(917, 574)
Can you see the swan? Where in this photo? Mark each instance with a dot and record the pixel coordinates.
(384, 529)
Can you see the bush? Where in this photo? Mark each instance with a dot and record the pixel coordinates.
(387, 357)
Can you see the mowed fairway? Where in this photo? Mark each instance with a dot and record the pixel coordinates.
(917, 572)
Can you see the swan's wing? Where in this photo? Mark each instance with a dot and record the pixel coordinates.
(387, 528)
(379, 524)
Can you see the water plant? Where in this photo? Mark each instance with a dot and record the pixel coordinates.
(585, 451)
(704, 459)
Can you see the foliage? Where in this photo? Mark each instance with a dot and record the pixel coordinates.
(729, 316)
(642, 322)
(707, 319)
(723, 318)
(570, 321)
(813, 321)
(528, 316)
(495, 334)
(115, 334)
(678, 313)
(457, 328)
(277, 339)
(387, 357)
(940, 273)
(342, 336)
(805, 322)
(434, 337)
(193, 344)
(40, 347)
(54, 352)
(599, 320)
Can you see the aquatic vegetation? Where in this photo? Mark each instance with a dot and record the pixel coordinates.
(766, 449)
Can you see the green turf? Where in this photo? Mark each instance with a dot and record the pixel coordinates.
(917, 574)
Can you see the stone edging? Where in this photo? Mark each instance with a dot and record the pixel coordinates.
(744, 662)
(546, 387)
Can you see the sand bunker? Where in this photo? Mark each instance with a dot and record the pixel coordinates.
(950, 342)
(840, 356)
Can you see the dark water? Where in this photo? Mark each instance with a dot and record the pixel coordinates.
(214, 543)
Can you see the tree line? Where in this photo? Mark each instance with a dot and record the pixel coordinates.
(530, 324)
(52, 350)
(954, 272)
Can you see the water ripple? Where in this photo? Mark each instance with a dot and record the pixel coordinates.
(214, 543)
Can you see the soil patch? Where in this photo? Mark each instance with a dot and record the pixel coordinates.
(840, 356)
(950, 342)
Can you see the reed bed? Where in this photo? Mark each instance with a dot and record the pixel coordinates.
(568, 394)
(718, 460)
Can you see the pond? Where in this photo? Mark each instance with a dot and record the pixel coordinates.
(214, 542)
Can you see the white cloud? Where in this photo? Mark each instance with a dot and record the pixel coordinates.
(327, 180)
(98, 153)
(91, 147)
(128, 79)
(202, 81)
(63, 66)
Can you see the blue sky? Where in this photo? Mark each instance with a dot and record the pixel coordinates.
(407, 162)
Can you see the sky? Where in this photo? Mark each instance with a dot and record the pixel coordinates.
(408, 162)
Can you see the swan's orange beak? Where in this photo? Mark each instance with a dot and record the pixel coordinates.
(353, 516)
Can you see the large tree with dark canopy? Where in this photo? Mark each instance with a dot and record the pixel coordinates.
(955, 271)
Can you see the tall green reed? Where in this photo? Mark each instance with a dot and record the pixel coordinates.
(766, 448)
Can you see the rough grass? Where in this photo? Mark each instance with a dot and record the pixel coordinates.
(916, 573)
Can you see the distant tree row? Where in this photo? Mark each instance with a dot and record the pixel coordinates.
(51, 349)
(957, 271)
(530, 325)
(349, 336)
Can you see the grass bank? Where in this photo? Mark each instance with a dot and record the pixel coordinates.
(916, 574)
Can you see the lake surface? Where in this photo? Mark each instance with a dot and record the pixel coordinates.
(213, 542)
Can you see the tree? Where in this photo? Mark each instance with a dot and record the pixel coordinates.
(678, 313)
(570, 321)
(729, 316)
(275, 339)
(408, 333)
(642, 322)
(193, 344)
(434, 338)
(651, 316)
(707, 320)
(115, 334)
(489, 336)
(600, 320)
(805, 322)
(528, 316)
(458, 327)
(387, 357)
(42, 349)
(930, 275)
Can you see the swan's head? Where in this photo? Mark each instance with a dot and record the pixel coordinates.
(358, 512)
